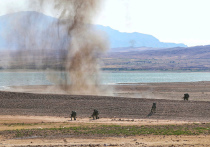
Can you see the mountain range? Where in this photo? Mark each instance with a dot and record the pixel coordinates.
(36, 30)
(133, 40)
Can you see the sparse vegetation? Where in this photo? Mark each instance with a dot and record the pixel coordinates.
(111, 130)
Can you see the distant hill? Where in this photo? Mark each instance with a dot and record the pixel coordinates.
(171, 59)
(197, 52)
(41, 27)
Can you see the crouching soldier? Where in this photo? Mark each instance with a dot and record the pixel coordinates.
(95, 114)
(153, 110)
(74, 115)
(186, 96)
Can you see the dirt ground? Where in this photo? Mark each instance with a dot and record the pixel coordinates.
(149, 140)
(142, 140)
(129, 105)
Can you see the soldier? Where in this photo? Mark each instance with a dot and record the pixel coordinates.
(153, 110)
(186, 96)
(95, 114)
(74, 115)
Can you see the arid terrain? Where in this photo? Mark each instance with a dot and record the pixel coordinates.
(171, 59)
(129, 107)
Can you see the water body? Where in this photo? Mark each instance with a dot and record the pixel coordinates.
(41, 78)
(156, 77)
(23, 78)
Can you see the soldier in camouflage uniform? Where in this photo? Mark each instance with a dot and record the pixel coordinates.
(95, 114)
(74, 115)
(186, 96)
(153, 110)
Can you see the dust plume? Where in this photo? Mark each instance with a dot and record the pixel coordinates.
(78, 51)
(81, 62)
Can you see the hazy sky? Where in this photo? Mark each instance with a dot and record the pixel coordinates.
(178, 21)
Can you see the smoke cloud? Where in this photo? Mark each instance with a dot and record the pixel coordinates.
(75, 55)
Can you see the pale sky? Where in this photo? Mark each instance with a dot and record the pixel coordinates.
(177, 21)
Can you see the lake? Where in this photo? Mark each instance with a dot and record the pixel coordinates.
(42, 78)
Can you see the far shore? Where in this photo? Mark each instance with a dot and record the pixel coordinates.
(110, 71)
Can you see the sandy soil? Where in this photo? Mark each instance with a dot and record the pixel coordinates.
(171, 109)
(149, 140)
